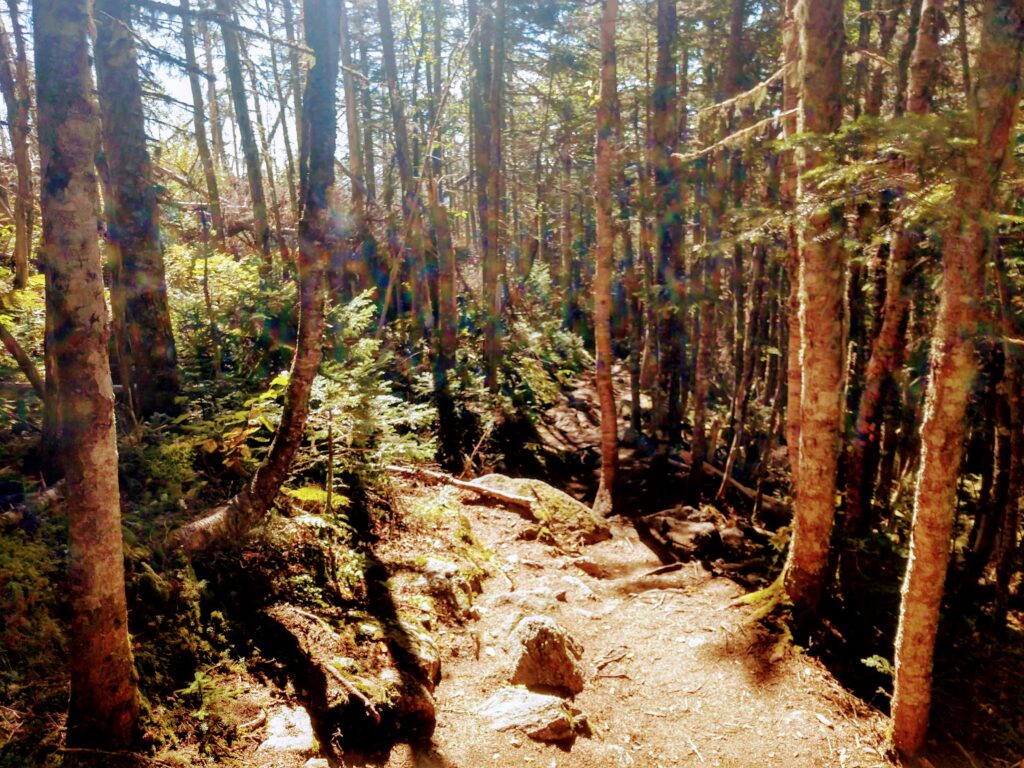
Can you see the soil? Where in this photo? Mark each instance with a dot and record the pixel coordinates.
(678, 675)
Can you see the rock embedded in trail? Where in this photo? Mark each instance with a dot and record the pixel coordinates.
(540, 716)
(545, 656)
(564, 518)
(290, 731)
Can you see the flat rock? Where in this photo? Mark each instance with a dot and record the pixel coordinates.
(539, 716)
(289, 730)
(544, 655)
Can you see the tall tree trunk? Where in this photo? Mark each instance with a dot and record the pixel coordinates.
(104, 705)
(790, 104)
(493, 258)
(279, 91)
(822, 261)
(134, 226)
(953, 366)
(355, 143)
(233, 62)
(212, 99)
(669, 223)
(199, 124)
(887, 346)
(14, 84)
(605, 162)
(319, 120)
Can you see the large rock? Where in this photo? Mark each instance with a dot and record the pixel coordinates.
(560, 515)
(545, 656)
(539, 716)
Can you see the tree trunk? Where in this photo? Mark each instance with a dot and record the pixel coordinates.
(213, 101)
(134, 226)
(790, 102)
(669, 223)
(279, 91)
(199, 124)
(953, 367)
(14, 84)
(493, 261)
(319, 120)
(233, 64)
(887, 346)
(605, 161)
(822, 261)
(104, 705)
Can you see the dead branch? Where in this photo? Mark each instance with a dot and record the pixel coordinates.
(430, 476)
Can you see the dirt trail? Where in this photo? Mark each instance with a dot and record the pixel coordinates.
(676, 675)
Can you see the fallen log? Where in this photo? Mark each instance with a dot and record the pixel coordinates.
(431, 476)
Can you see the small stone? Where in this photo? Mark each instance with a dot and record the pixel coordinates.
(316, 762)
(539, 716)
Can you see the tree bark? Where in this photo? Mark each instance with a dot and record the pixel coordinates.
(104, 704)
(953, 367)
(822, 262)
(606, 159)
(134, 225)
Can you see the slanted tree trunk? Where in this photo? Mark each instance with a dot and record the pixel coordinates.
(319, 120)
(14, 84)
(199, 124)
(134, 226)
(606, 159)
(953, 366)
(104, 705)
(821, 282)
(233, 63)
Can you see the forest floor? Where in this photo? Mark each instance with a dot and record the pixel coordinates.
(677, 670)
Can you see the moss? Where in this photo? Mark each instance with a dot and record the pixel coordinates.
(31, 638)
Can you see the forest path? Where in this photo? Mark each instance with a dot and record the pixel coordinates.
(676, 675)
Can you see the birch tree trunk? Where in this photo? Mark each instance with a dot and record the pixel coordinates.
(953, 366)
(821, 282)
(605, 163)
(104, 704)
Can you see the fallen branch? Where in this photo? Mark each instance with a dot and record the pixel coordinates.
(351, 690)
(430, 476)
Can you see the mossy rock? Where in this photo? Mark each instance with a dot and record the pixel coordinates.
(564, 518)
